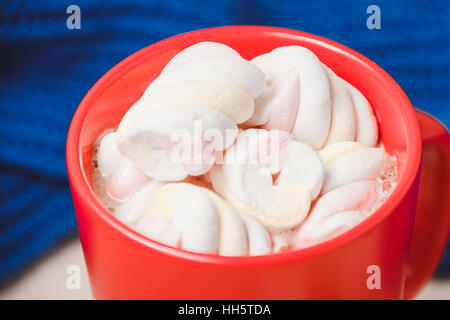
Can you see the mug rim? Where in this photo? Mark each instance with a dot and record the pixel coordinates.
(80, 184)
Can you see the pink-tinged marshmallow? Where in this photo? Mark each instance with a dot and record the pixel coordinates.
(125, 181)
(344, 198)
(335, 225)
(312, 122)
(363, 164)
(251, 161)
(286, 207)
(276, 108)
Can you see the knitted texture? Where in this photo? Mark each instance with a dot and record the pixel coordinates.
(46, 69)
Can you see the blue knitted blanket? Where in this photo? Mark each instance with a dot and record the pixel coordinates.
(46, 69)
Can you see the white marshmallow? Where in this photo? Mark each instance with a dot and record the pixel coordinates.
(344, 198)
(109, 157)
(225, 98)
(367, 133)
(132, 210)
(259, 240)
(312, 122)
(233, 234)
(204, 222)
(343, 117)
(243, 170)
(302, 167)
(336, 225)
(158, 228)
(287, 207)
(222, 188)
(232, 71)
(354, 166)
(200, 50)
(156, 222)
(195, 216)
(334, 150)
(148, 141)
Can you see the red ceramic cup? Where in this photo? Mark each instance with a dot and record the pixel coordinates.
(404, 245)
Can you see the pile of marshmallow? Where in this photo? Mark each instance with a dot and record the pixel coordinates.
(285, 153)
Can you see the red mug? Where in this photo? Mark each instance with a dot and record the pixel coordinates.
(399, 245)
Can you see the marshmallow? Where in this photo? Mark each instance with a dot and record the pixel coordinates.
(158, 229)
(204, 221)
(344, 198)
(232, 71)
(277, 106)
(312, 122)
(259, 242)
(132, 210)
(252, 183)
(148, 141)
(343, 118)
(222, 187)
(334, 150)
(354, 166)
(188, 119)
(225, 98)
(303, 167)
(286, 208)
(336, 225)
(156, 221)
(195, 216)
(249, 178)
(126, 180)
(233, 235)
(248, 183)
(367, 133)
(261, 109)
(201, 50)
(109, 157)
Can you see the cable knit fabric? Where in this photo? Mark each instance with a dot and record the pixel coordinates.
(46, 69)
